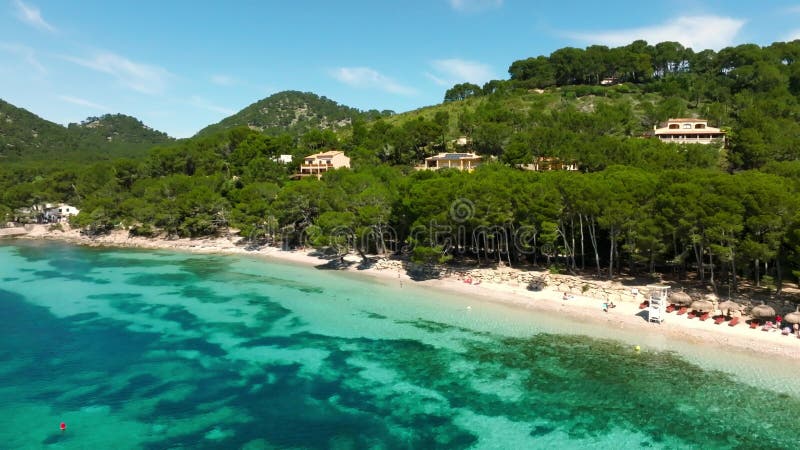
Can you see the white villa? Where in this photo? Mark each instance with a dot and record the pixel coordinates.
(460, 161)
(283, 159)
(689, 131)
(319, 163)
(544, 163)
(60, 213)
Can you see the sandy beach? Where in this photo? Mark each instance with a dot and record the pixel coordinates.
(496, 285)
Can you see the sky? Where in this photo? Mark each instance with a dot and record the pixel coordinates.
(180, 65)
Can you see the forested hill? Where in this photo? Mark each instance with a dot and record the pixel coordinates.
(291, 112)
(576, 104)
(24, 135)
(22, 132)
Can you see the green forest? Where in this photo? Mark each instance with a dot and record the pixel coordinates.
(725, 215)
(24, 135)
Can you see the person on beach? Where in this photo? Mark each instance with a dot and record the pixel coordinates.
(565, 296)
(611, 304)
(605, 307)
(778, 320)
(797, 330)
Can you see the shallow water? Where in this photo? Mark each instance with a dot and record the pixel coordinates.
(142, 349)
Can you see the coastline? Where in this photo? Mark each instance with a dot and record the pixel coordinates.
(498, 286)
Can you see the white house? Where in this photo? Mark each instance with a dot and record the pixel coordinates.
(60, 213)
(319, 163)
(284, 159)
(689, 131)
(460, 161)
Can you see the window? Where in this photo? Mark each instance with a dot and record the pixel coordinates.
(687, 126)
(699, 126)
(673, 126)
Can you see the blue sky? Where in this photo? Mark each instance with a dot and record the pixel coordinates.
(180, 65)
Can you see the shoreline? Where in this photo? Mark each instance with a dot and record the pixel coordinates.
(497, 286)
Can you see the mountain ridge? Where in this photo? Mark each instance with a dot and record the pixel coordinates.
(291, 111)
(24, 134)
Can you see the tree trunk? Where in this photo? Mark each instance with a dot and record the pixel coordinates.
(572, 232)
(631, 246)
(711, 269)
(583, 251)
(778, 277)
(758, 272)
(613, 245)
(652, 260)
(562, 230)
(734, 280)
(698, 254)
(593, 237)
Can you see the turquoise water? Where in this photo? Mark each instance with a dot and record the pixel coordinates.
(141, 349)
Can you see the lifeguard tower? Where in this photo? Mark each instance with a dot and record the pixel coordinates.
(657, 308)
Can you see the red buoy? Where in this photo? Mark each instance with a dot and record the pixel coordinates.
(63, 426)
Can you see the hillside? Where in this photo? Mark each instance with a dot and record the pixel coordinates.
(24, 135)
(115, 131)
(22, 132)
(288, 111)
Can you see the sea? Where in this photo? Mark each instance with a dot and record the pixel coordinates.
(142, 349)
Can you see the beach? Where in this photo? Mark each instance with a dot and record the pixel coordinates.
(498, 285)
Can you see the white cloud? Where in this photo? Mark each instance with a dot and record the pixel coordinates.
(223, 80)
(438, 80)
(83, 102)
(475, 5)
(25, 53)
(793, 35)
(32, 16)
(697, 32)
(453, 71)
(200, 102)
(366, 78)
(143, 78)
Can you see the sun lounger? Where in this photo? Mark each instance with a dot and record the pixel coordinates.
(786, 331)
(705, 316)
(733, 322)
(644, 304)
(670, 308)
(682, 310)
(719, 320)
(753, 324)
(691, 315)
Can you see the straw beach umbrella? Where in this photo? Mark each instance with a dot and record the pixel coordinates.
(763, 311)
(702, 305)
(793, 317)
(729, 306)
(680, 298)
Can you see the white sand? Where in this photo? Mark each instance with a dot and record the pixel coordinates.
(626, 315)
